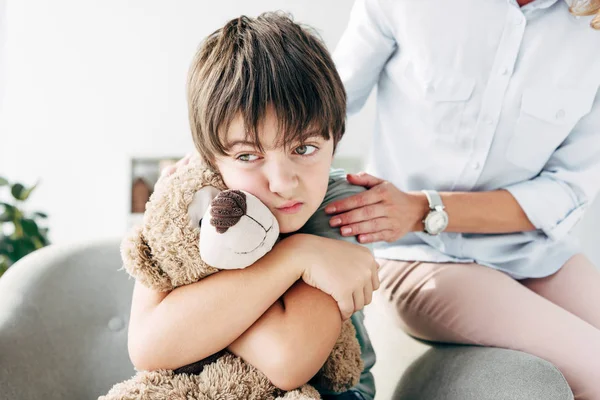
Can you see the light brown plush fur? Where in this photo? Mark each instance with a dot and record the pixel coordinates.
(163, 254)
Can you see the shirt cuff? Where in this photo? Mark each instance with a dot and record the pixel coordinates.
(550, 205)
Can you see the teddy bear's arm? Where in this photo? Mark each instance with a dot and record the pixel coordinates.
(344, 366)
(138, 262)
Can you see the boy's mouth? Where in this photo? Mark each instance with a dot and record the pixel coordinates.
(290, 207)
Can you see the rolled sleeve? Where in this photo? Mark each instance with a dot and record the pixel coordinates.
(550, 205)
(363, 50)
(556, 199)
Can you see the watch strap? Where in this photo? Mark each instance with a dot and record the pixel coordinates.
(434, 199)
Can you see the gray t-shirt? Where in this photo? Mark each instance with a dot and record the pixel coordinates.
(318, 224)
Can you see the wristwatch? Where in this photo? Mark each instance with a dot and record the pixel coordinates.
(437, 219)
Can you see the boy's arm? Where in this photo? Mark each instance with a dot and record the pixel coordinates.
(194, 321)
(293, 339)
(170, 330)
(300, 335)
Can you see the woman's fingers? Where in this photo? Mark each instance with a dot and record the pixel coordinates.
(363, 199)
(363, 179)
(381, 236)
(170, 170)
(184, 161)
(358, 215)
(367, 227)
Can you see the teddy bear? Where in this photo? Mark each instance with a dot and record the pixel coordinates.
(193, 226)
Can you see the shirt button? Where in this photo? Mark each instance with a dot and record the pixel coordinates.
(560, 114)
(430, 88)
(504, 71)
(476, 165)
(115, 324)
(488, 121)
(518, 22)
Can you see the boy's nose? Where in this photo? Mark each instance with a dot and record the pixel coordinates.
(282, 179)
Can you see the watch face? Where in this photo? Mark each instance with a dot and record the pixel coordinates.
(436, 222)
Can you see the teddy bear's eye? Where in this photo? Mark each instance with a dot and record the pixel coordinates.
(199, 205)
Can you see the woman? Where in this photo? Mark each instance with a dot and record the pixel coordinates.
(493, 109)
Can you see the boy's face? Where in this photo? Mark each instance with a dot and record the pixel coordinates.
(291, 182)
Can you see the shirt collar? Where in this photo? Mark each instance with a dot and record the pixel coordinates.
(537, 5)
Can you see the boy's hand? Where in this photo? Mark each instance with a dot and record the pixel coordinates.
(345, 271)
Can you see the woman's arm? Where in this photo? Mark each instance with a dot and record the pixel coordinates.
(194, 321)
(363, 50)
(553, 201)
(293, 339)
(384, 213)
(478, 212)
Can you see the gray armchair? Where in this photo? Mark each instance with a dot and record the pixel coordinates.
(64, 313)
(63, 335)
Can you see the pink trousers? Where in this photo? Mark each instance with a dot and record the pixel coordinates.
(555, 318)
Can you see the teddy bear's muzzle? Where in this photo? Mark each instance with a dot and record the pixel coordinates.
(227, 209)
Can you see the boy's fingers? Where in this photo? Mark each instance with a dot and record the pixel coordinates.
(359, 300)
(346, 307)
(375, 276)
(368, 293)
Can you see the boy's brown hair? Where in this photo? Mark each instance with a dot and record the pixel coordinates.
(251, 64)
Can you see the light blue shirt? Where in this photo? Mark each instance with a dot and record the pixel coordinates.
(476, 96)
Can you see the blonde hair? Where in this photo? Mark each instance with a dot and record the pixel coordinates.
(585, 8)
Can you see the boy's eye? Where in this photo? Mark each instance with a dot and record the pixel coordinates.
(305, 150)
(247, 157)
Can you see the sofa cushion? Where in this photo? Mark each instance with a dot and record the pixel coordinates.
(455, 372)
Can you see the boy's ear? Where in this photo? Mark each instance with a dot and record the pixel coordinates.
(138, 261)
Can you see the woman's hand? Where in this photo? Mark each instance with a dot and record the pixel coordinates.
(345, 271)
(172, 168)
(382, 213)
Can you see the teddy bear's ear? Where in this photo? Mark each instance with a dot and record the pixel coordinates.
(138, 261)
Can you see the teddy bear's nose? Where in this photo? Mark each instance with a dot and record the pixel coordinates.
(227, 209)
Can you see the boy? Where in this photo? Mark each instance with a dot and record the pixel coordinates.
(267, 109)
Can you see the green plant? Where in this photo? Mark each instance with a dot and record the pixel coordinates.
(20, 231)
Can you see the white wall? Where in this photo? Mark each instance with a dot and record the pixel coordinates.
(2, 51)
(91, 83)
(88, 84)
